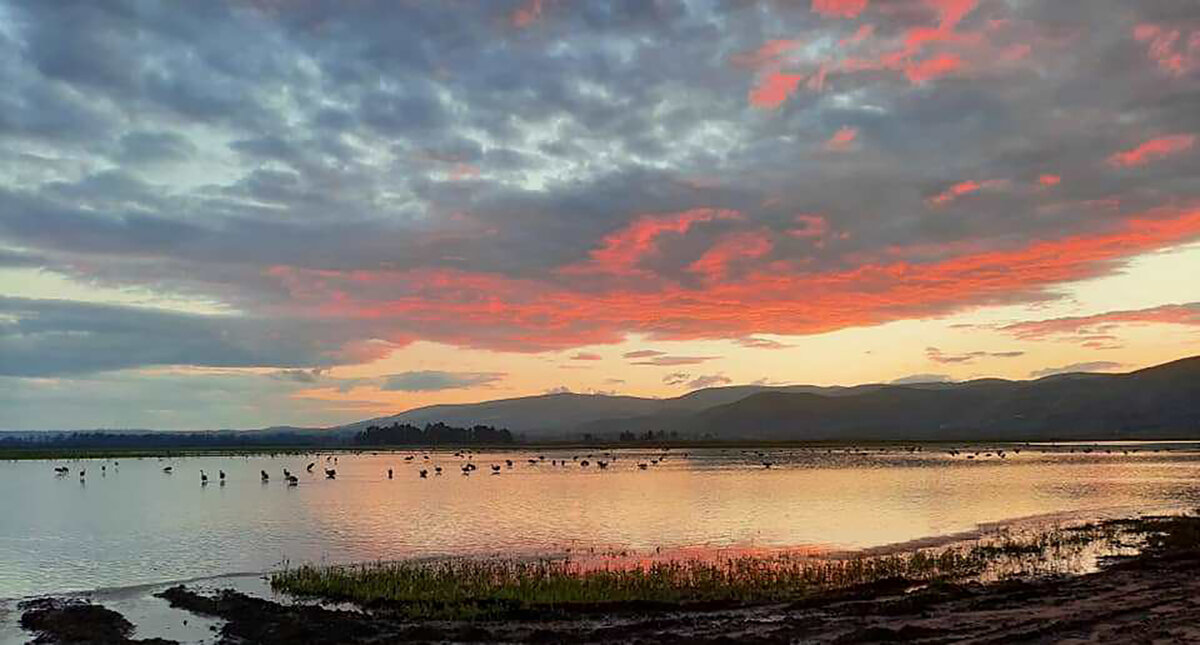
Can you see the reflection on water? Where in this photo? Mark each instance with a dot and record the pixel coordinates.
(134, 524)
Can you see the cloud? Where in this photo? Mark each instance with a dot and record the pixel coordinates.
(1153, 150)
(761, 343)
(839, 8)
(936, 355)
(437, 174)
(676, 360)
(842, 140)
(643, 353)
(1091, 366)
(586, 356)
(436, 381)
(917, 379)
(712, 380)
(1092, 329)
(676, 378)
(300, 376)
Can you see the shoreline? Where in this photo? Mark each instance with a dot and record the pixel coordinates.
(1111, 604)
(683, 552)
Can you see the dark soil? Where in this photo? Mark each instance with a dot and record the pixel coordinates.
(1146, 599)
(54, 620)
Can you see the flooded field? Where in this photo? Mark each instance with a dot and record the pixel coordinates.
(130, 522)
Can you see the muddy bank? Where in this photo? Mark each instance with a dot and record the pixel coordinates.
(1151, 597)
(52, 620)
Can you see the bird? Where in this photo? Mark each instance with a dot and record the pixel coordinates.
(265, 477)
(602, 464)
(584, 464)
(408, 458)
(495, 469)
(221, 476)
(330, 473)
(292, 480)
(310, 465)
(82, 473)
(642, 466)
(508, 462)
(424, 473)
(167, 469)
(203, 478)
(389, 473)
(437, 470)
(286, 474)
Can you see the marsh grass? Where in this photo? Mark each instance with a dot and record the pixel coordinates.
(467, 588)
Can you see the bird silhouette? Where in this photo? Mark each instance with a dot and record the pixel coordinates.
(265, 477)
(330, 473)
(203, 478)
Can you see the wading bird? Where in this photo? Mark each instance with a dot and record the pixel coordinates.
(265, 477)
(330, 473)
(495, 469)
(424, 473)
(389, 473)
(167, 469)
(310, 465)
(203, 478)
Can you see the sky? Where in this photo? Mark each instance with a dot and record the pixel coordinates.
(248, 213)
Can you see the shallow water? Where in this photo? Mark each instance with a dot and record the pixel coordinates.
(134, 524)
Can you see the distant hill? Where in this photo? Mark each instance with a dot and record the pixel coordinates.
(557, 415)
(1159, 402)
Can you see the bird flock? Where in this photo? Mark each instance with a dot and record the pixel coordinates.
(642, 460)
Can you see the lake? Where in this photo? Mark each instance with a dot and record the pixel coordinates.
(134, 524)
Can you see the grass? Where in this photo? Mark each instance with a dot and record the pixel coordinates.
(496, 588)
(473, 588)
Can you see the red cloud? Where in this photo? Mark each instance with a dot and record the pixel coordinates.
(585, 356)
(964, 188)
(839, 8)
(842, 140)
(620, 252)
(932, 68)
(773, 88)
(864, 32)
(714, 264)
(768, 54)
(1153, 150)
(1173, 53)
(499, 312)
(1090, 328)
(526, 14)
(1049, 180)
(813, 226)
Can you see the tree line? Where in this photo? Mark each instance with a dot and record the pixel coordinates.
(406, 434)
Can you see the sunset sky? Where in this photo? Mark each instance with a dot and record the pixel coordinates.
(310, 212)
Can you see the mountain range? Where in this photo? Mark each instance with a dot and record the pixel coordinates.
(1156, 402)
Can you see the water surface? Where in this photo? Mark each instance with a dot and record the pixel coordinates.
(134, 524)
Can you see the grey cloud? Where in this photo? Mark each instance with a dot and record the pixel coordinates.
(711, 380)
(917, 379)
(57, 337)
(676, 360)
(1089, 366)
(436, 380)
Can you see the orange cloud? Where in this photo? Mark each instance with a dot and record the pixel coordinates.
(714, 264)
(1153, 150)
(1090, 328)
(499, 312)
(1049, 180)
(839, 8)
(620, 251)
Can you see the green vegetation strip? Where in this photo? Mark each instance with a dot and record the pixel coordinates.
(495, 588)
